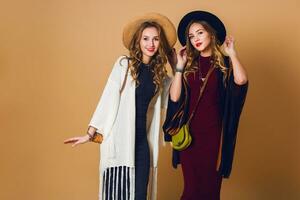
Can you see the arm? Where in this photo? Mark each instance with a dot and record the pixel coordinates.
(176, 85)
(239, 72)
(86, 138)
(107, 108)
(106, 111)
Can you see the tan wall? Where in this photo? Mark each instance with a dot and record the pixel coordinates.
(55, 56)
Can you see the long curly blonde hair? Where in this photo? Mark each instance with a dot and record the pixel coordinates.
(217, 56)
(157, 62)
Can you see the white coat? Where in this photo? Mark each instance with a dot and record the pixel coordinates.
(114, 117)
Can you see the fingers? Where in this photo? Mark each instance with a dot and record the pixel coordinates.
(182, 51)
(173, 51)
(71, 140)
(229, 45)
(229, 39)
(172, 54)
(182, 48)
(172, 58)
(82, 140)
(76, 143)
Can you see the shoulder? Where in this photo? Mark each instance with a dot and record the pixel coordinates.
(123, 60)
(121, 63)
(119, 68)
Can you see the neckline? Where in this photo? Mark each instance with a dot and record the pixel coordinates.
(205, 57)
(148, 65)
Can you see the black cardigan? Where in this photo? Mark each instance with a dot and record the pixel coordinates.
(233, 98)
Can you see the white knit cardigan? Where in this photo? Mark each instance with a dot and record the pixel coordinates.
(114, 117)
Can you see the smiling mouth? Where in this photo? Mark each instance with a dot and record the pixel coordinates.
(198, 44)
(151, 50)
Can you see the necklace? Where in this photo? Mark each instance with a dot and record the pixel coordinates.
(201, 78)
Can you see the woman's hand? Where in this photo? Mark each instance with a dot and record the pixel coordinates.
(172, 58)
(175, 89)
(181, 58)
(229, 46)
(77, 140)
(239, 72)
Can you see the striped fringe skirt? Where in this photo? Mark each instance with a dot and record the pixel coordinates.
(117, 183)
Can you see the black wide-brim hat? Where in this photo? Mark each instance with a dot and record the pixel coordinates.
(198, 15)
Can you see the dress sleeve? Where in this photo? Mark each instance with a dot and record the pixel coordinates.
(107, 108)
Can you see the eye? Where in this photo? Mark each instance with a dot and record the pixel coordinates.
(191, 37)
(201, 32)
(145, 38)
(156, 39)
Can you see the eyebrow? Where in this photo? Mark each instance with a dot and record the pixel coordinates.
(149, 36)
(200, 29)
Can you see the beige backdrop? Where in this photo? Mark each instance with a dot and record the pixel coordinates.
(55, 56)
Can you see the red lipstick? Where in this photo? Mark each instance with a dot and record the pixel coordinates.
(198, 44)
(151, 49)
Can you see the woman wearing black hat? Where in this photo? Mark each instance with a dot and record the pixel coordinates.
(213, 126)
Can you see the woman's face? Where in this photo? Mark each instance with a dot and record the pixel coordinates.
(149, 43)
(199, 37)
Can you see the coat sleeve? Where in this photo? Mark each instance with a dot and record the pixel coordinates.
(107, 108)
(171, 122)
(165, 92)
(234, 101)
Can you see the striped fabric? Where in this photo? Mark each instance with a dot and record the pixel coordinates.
(118, 183)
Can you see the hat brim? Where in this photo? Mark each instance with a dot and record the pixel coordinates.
(210, 18)
(168, 27)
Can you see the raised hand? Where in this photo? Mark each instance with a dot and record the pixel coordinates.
(229, 46)
(181, 58)
(172, 58)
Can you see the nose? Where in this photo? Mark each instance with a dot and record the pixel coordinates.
(196, 38)
(151, 43)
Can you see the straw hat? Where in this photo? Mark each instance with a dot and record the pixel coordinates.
(168, 27)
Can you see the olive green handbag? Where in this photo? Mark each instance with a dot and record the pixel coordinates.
(182, 139)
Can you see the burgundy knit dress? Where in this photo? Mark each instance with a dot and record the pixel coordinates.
(199, 161)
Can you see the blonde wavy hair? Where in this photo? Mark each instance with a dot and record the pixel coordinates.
(193, 54)
(157, 62)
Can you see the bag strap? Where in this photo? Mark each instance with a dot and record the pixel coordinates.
(125, 78)
(201, 92)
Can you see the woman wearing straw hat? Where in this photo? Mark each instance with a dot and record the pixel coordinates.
(129, 111)
(207, 93)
